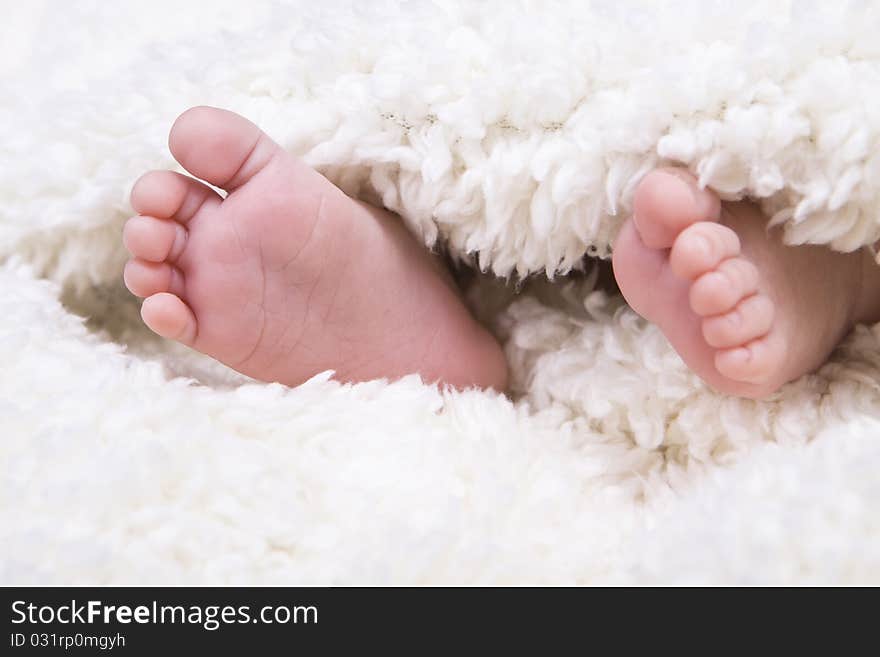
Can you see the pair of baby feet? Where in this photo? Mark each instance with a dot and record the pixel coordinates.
(284, 276)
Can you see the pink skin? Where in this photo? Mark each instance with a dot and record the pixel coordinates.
(745, 312)
(287, 276)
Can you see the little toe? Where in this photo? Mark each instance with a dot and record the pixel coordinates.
(757, 362)
(669, 200)
(154, 239)
(702, 247)
(751, 319)
(171, 195)
(220, 146)
(167, 315)
(144, 278)
(719, 290)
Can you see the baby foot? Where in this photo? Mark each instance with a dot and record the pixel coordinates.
(744, 311)
(287, 276)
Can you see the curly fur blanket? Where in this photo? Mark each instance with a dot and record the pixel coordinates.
(511, 134)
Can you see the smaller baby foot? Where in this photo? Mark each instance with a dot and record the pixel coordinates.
(745, 312)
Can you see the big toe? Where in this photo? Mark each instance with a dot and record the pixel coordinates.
(220, 146)
(669, 200)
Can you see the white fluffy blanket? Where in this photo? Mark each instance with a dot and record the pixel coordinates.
(512, 134)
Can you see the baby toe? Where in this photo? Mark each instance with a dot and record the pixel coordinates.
(158, 193)
(750, 319)
(167, 315)
(702, 247)
(144, 278)
(757, 362)
(719, 290)
(153, 239)
(171, 195)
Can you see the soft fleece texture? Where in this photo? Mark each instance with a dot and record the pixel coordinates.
(512, 135)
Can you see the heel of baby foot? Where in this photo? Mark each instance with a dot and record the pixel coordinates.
(480, 363)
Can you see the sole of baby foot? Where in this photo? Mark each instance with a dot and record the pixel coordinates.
(285, 276)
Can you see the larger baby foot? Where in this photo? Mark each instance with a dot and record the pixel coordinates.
(287, 276)
(744, 311)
